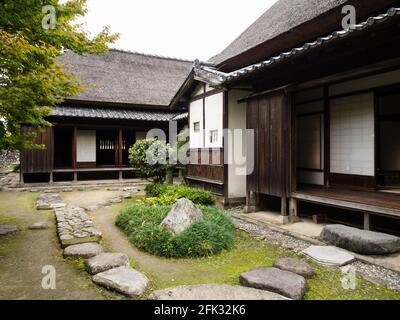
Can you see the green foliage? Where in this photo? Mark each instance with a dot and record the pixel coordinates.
(197, 196)
(205, 237)
(32, 79)
(151, 158)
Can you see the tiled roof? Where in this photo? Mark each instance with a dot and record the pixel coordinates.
(216, 77)
(72, 111)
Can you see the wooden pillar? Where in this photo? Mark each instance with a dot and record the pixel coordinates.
(74, 151)
(284, 218)
(367, 221)
(51, 178)
(293, 210)
(251, 202)
(120, 147)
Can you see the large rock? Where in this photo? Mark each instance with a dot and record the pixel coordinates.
(125, 280)
(328, 255)
(84, 250)
(296, 266)
(279, 281)
(360, 241)
(106, 261)
(214, 292)
(7, 229)
(181, 216)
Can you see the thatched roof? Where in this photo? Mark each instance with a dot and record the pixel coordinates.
(122, 77)
(290, 23)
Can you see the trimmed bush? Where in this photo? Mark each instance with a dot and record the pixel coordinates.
(205, 237)
(197, 196)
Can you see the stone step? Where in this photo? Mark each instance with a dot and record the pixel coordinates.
(124, 280)
(360, 241)
(328, 255)
(84, 250)
(106, 261)
(285, 283)
(214, 292)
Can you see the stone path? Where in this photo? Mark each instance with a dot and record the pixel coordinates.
(286, 283)
(360, 241)
(74, 226)
(328, 255)
(79, 238)
(48, 201)
(214, 292)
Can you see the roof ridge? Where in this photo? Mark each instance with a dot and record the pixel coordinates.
(151, 55)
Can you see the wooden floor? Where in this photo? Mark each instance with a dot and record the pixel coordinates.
(383, 203)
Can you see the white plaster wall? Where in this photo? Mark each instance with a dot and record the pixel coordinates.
(86, 146)
(213, 119)
(196, 115)
(237, 145)
(352, 135)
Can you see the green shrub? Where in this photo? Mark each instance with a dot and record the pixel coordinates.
(205, 237)
(198, 196)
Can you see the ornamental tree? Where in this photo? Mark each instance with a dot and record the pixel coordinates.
(33, 34)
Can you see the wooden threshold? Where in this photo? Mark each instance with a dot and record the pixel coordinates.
(364, 201)
(93, 169)
(217, 182)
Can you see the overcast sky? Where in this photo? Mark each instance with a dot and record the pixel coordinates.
(175, 28)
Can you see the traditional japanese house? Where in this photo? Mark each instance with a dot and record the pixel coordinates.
(126, 95)
(323, 103)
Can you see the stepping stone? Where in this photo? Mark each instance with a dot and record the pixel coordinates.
(279, 281)
(360, 241)
(84, 250)
(7, 229)
(115, 200)
(328, 255)
(214, 292)
(39, 226)
(296, 266)
(125, 280)
(106, 261)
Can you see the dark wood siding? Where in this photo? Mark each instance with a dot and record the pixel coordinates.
(211, 170)
(38, 161)
(268, 116)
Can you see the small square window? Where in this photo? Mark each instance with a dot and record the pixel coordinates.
(196, 126)
(213, 136)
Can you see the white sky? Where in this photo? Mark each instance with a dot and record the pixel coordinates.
(175, 28)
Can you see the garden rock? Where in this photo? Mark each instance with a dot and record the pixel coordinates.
(181, 216)
(39, 226)
(296, 266)
(106, 261)
(328, 255)
(7, 229)
(360, 241)
(214, 292)
(279, 281)
(125, 280)
(83, 250)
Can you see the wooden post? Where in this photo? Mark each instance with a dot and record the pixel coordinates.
(251, 202)
(293, 210)
(120, 147)
(51, 178)
(284, 218)
(74, 142)
(367, 221)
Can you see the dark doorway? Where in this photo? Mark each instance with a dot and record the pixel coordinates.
(106, 147)
(128, 139)
(388, 158)
(63, 148)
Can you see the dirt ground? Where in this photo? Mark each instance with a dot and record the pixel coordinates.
(24, 254)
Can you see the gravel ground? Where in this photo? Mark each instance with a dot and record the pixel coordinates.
(372, 273)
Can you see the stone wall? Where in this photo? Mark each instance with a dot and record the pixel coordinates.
(9, 157)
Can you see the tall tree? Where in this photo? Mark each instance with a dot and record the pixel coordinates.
(33, 33)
